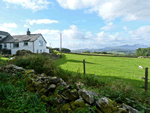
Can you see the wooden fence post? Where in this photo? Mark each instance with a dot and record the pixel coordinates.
(146, 79)
(84, 66)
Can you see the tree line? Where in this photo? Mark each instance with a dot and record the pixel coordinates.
(143, 51)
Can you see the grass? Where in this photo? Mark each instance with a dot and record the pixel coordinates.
(110, 69)
(3, 60)
(117, 77)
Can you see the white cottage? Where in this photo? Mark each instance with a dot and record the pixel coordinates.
(33, 42)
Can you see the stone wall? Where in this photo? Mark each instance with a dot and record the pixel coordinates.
(67, 97)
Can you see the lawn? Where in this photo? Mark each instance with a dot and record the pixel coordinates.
(3, 60)
(110, 69)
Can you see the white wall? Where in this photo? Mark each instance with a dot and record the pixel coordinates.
(21, 46)
(38, 47)
(29, 46)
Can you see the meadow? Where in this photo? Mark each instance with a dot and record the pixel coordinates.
(109, 69)
(114, 77)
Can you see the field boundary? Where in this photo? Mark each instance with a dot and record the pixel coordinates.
(102, 55)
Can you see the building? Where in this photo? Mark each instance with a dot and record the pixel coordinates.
(33, 42)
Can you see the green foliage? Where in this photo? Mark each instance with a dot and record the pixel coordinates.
(114, 74)
(103, 52)
(86, 52)
(64, 50)
(40, 63)
(13, 97)
(3, 76)
(143, 51)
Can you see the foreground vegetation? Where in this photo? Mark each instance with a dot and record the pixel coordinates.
(115, 79)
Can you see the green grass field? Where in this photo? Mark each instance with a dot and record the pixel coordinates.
(3, 60)
(110, 69)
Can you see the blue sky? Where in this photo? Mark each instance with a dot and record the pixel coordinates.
(83, 23)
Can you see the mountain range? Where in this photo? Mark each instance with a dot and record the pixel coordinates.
(123, 48)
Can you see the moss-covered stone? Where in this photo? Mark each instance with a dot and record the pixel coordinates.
(43, 97)
(55, 99)
(66, 107)
(98, 110)
(76, 104)
(106, 105)
(42, 91)
(69, 96)
(30, 88)
(29, 71)
(28, 81)
(122, 110)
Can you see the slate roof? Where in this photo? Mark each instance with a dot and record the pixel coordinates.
(19, 38)
(8, 38)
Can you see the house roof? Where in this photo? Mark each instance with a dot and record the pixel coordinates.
(19, 38)
(31, 37)
(8, 38)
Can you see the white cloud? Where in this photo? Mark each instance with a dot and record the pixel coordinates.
(27, 26)
(2, 28)
(41, 21)
(109, 26)
(73, 38)
(10, 25)
(73, 33)
(125, 28)
(7, 27)
(111, 9)
(142, 33)
(34, 5)
(78, 21)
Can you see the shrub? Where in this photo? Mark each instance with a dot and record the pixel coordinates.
(103, 52)
(40, 63)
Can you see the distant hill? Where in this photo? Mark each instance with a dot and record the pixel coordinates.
(123, 48)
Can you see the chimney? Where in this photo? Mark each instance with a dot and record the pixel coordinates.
(28, 32)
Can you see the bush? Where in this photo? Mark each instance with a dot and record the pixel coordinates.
(103, 52)
(40, 63)
(23, 52)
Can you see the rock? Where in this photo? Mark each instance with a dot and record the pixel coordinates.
(88, 96)
(12, 66)
(55, 99)
(77, 103)
(12, 58)
(53, 80)
(122, 110)
(66, 108)
(69, 96)
(29, 71)
(106, 105)
(63, 83)
(79, 85)
(129, 108)
(51, 87)
(140, 57)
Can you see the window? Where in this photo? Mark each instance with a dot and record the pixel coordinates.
(40, 51)
(0, 37)
(43, 50)
(41, 43)
(5, 45)
(16, 45)
(25, 43)
(37, 51)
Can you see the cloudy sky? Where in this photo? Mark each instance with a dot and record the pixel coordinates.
(83, 23)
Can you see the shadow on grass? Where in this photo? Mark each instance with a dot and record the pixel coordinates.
(139, 84)
(107, 55)
(77, 61)
(64, 60)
